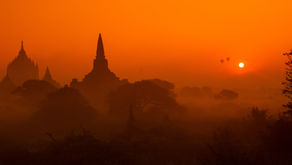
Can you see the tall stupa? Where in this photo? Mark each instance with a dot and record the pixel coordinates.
(97, 84)
(100, 72)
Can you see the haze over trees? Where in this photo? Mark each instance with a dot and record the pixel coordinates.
(65, 109)
(104, 120)
(152, 97)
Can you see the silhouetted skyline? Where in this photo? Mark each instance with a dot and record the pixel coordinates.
(145, 82)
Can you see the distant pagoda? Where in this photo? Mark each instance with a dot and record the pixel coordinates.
(22, 69)
(48, 77)
(97, 84)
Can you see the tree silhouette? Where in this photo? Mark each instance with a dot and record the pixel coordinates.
(287, 91)
(144, 96)
(65, 109)
(226, 94)
(35, 90)
(258, 116)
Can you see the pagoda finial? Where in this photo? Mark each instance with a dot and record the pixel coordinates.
(100, 50)
(22, 51)
(22, 45)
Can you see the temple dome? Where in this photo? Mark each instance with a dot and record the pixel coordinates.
(22, 68)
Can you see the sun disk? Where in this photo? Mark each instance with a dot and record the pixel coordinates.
(241, 65)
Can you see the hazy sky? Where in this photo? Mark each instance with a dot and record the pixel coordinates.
(177, 40)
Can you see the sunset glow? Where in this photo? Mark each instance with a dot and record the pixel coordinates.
(131, 82)
(182, 35)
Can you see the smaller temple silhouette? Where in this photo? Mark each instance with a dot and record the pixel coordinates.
(48, 77)
(22, 68)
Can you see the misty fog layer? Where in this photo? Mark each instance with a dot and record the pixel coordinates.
(104, 119)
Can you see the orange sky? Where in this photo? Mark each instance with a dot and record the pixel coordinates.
(181, 41)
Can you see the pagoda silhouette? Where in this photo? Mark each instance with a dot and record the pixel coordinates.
(97, 84)
(48, 77)
(100, 73)
(21, 69)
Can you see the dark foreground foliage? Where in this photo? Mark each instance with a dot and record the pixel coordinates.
(255, 141)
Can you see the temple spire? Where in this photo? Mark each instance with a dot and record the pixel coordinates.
(131, 126)
(22, 51)
(47, 76)
(100, 50)
(22, 45)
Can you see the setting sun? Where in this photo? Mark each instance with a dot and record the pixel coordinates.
(241, 65)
